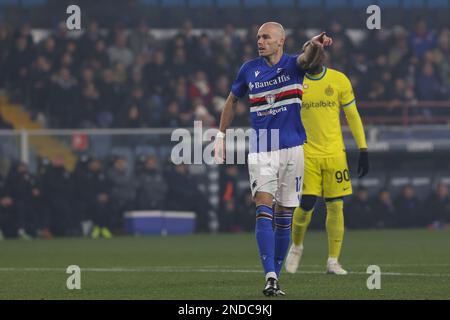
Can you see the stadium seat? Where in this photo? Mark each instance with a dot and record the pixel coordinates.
(362, 3)
(100, 145)
(32, 3)
(389, 3)
(201, 3)
(256, 3)
(413, 4)
(228, 3)
(173, 3)
(284, 3)
(8, 2)
(150, 2)
(309, 3)
(332, 4)
(435, 4)
(145, 150)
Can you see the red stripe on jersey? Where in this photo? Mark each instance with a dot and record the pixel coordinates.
(278, 95)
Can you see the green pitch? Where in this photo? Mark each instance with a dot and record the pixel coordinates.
(414, 264)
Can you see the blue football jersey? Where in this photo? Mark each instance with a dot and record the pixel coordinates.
(275, 95)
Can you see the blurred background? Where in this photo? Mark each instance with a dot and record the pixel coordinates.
(86, 116)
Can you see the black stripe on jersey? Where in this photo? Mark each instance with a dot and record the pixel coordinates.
(264, 102)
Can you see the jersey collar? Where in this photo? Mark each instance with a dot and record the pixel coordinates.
(317, 76)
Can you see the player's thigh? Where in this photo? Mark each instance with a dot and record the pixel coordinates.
(336, 177)
(262, 173)
(290, 177)
(312, 181)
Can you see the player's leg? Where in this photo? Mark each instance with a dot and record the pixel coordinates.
(337, 184)
(290, 183)
(300, 223)
(263, 183)
(312, 187)
(335, 232)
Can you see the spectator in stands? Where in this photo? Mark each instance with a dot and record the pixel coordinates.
(119, 51)
(81, 194)
(359, 211)
(123, 190)
(58, 190)
(438, 207)
(18, 67)
(152, 186)
(98, 58)
(428, 84)
(63, 97)
(184, 194)
(5, 47)
(32, 210)
(384, 213)
(408, 208)
(98, 193)
(200, 88)
(228, 218)
(422, 39)
(89, 39)
(8, 224)
(245, 212)
(40, 86)
(141, 40)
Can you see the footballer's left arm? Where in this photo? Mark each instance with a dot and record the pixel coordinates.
(356, 125)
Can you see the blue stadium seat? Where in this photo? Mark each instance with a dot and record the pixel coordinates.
(336, 4)
(413, 4)
(284, 3)
(32, 3)
(228, 3)
(173, 3)
(256, 3)
(8, 2)
(201, 3)
(434, 4)
(362, 3)
(309, 3)
(145, 150)
(150, 2)
(389, 3)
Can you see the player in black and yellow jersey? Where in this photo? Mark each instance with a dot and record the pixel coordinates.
(325, 93)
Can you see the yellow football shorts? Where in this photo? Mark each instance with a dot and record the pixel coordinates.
(327, 177)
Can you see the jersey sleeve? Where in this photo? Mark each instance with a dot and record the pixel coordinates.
(239, 87)
(346, 95)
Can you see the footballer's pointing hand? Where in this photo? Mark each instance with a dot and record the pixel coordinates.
(322, 40)
(219, 148)
(363, 163)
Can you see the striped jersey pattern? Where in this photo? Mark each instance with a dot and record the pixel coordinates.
(275, 98)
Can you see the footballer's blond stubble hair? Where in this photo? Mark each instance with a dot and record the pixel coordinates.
(275, 26)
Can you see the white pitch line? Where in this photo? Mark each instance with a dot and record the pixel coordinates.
(207, 270)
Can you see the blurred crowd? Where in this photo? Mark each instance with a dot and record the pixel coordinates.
(363, 210)
(91, 201)
(126, 77)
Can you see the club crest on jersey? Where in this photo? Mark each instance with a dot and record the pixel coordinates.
(270, 98)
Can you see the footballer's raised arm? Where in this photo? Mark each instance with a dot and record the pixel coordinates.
(312, 51)
(228, 112)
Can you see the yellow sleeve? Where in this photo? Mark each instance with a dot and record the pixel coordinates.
(346, 95)
(347, 101)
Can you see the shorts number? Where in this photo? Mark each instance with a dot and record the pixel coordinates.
(298, 180)
(342, 175)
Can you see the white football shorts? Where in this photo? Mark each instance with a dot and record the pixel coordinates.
(279, 173)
